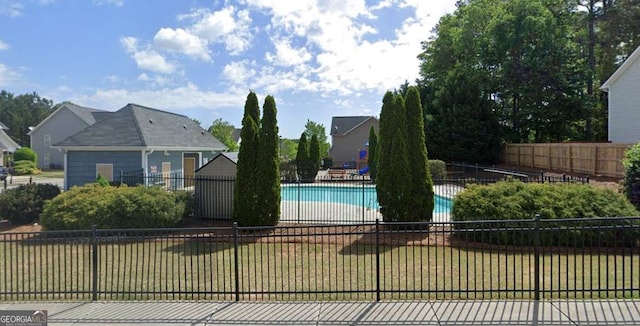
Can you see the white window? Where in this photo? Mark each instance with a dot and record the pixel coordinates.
(47, 160)
(47, 140)
(105, 170)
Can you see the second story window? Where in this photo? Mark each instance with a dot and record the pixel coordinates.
(47, 140)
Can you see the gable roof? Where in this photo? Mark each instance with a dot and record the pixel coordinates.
(344, 125)
(3, 127)
(230, 156)
(6, 143)
(143, 127)
(88, 115)
(621, 70)
(235, 134)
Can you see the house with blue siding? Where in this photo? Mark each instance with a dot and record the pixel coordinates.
(137, 139)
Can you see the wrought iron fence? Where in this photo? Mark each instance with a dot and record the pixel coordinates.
(577, 258)
(344, 197)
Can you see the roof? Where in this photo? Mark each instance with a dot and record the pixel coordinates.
(235, 134)
(621, 70)
(6, 143)
(139, 126)
(3, 127)
(231, 156)
(344, 125)
(88, 115)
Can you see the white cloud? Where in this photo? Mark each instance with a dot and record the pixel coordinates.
(228, 26)
(146, 58)
(181, 41)
(238, 72)
(117, 3)
(8, 76)
(112, 78)
(286, 55)
(11, 8)
(4, 46)
(172, 99)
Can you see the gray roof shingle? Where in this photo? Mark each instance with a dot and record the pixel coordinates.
(88, 115)
(138, 126)
(342, 125)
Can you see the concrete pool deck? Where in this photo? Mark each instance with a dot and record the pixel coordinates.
(336, 213)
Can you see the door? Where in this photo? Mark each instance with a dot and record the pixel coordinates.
(188, 169)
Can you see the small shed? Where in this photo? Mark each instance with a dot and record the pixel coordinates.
(214, 187)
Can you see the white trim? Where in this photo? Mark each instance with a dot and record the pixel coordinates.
(66, 176)
(134, 148)
(104, 165)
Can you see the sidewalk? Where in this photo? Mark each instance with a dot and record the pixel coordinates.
(503, 312)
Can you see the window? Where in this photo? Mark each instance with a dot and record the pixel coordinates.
(47, 159)
(47, 140)
(105, 170)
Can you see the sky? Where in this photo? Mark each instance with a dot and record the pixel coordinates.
(318, 58)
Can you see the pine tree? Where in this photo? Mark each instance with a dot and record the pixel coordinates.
(314, 156)
(268, 167)
(422, 195)
(373, 154)
(245, 200)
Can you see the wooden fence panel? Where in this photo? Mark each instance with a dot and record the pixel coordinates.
(596, 159)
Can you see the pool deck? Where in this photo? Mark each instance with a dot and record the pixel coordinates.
(336, 213)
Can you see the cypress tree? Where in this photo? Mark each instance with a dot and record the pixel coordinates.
(399, 209)
(302, 158)
(422, 195)
(268, 167)
(386, 134)
(373, 153)
(314, 156)
(245, 200)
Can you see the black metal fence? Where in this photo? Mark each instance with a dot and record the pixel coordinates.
(345, 197)
(372, 261)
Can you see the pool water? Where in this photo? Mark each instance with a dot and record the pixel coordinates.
(347, 195)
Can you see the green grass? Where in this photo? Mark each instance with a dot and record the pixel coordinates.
(51, 174)
(170, 269)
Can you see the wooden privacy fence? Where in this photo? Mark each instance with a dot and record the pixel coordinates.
(596, 159)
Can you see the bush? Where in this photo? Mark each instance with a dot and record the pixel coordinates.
(515, 200)
(438, 170)
(25, 154)
(112, 207)
(102, 181)
(24, 204)
(631, 163)
(188, 200)
(24, 167)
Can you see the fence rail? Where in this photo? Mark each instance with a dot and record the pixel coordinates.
(578, 258)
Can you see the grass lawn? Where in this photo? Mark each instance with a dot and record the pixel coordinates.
(176, 269)
(51, 174)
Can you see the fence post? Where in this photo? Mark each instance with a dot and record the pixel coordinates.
(377, 259)
(235, 261)
(94, 260)
(363, 200)
(536, 259)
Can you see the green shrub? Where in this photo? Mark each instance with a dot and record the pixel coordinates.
(631, 163)
(102, 181)
(438, 170)
(112, 207)
(188, 200)
(24, 204)
(25, 154)
(515, 200)
(25, 167)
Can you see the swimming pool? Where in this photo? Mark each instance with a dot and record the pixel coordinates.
(347, 195)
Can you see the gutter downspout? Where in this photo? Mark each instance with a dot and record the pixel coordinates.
(145, 164)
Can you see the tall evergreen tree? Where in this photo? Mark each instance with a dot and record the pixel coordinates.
(302, 158)
(373, 154)
(422, 195)
(268, 166)
(245, 199)
(399, 186)
(385, 140)
(314, 156)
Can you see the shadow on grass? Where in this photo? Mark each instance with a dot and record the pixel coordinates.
(386, 238)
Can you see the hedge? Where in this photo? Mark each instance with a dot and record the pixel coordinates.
(515, 200)
(24, 204)
(112, 208)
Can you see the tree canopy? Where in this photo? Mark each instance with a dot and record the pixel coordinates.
(223, 131)
(20, 112)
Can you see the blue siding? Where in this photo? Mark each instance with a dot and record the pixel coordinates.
(81, 166)
(158, 157)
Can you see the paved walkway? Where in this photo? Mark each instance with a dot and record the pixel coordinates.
(556, 312)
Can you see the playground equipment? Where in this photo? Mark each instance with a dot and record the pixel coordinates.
(363, 159)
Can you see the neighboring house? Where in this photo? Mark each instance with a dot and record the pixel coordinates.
(236, 135)
(67, 120)
(137, 139)
(215, 182)
(624, 101)
(7, 145)
(349, 136)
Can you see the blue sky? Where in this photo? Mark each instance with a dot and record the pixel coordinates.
(318, 58)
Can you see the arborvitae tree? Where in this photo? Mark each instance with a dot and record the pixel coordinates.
(399, 207)
(245, 200)
(268, 167)
(373, 154)
(302, 158)
(314, 156)
(386, 134)
(421, 184)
